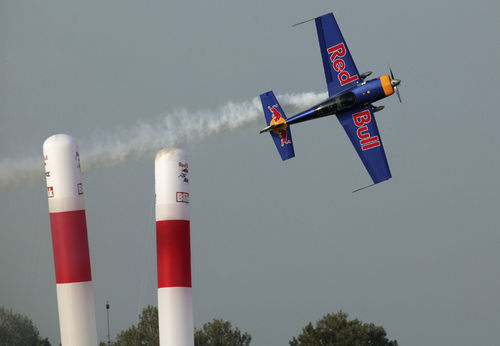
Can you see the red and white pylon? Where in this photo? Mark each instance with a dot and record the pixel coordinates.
(75, 294)
(175, 301)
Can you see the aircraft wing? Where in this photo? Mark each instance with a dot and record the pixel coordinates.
(340, 71)
(360, 126)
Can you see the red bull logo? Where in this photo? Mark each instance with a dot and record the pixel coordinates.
(284, 137)
(77, 159)
(337, 53)
(277, 118)
(275, 114)
(183, 172)
(184, 167)
(361, 120)
(182, 197)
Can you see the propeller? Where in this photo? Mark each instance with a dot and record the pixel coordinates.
(395, 82)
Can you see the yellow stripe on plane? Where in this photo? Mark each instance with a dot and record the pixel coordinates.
(386, 84)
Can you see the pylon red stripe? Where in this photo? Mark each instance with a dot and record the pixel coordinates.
(71, 246)
(173, 253)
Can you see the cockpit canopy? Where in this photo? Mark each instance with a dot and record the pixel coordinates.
(335, 104)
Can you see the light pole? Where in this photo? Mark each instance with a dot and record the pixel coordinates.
(107, 313)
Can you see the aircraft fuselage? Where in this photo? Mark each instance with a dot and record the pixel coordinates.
(355, 97)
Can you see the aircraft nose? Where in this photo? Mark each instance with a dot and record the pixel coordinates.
(395, 82)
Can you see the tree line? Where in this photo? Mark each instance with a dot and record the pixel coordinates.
(331, 329)
(19, 330)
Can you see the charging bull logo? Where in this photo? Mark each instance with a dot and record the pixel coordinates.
(275, 114)
(183, 172)
(277, 119)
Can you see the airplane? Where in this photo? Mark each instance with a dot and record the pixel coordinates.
(350, 97)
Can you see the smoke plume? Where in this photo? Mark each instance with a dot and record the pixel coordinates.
(170, 130)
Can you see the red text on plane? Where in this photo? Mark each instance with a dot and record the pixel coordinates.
(337, 52)
(366, 140)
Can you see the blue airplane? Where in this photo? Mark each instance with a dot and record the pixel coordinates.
(351, 98)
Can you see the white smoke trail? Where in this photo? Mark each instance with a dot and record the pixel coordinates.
(170, 130)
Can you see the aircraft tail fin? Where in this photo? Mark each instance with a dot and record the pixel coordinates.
(277, 126)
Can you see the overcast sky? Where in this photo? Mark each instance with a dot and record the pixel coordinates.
(274, 245)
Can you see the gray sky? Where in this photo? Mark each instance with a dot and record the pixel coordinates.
(274, 245)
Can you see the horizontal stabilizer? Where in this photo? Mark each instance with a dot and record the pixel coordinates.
(272, 128)
(277, 126)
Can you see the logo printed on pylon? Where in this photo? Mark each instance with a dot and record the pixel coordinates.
(182, 197)
(77, 159)
(50, 191)
(183, 172)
